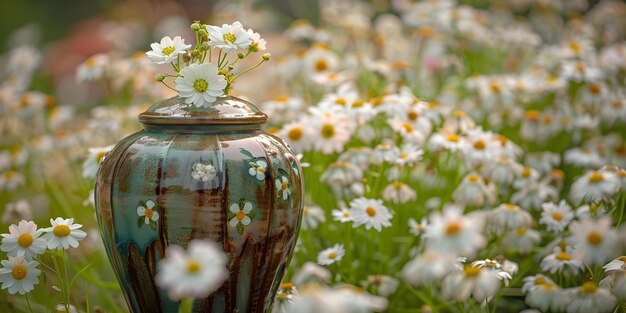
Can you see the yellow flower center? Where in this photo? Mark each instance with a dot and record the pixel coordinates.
(526, 171)
(281, 296)
(458, 113)
(575, 47)
(193, 267)
(408, 127)
(495, 87)
(471, 271)
(453, 138)
(286, 285)
(305, 211)
(200, 85)
(473, 178)
(230, 37)
(281, 99)
(521, 231)
(563, 256)
(25, 240)
(580, 67)
(358, 103)
(532, 115)
(622, 258)
(332, 255)
(548, 286)
(328, 131)
(341, 101)
(149, 213)
(346, 214)
(9, 175)
(100, 156)
(295, 133)
(539, 280)
(19, 272)
(273, 130)
(240, 215)
(596, 177)
(260, 170)
(284, 186)
(168, 50)
(321, 65)
(588, 288)
(370, 211)
(557, 216)
(479, 145)
(453, 228)
(397, 185)
(404, 155)
(595, 89)
(61, 230)
(594, 238)
(412, 115)
(511, 207)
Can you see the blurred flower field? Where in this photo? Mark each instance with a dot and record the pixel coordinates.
(458, 156)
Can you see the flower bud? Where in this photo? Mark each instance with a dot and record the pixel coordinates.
(204, 46)
(160, 77)
(187, 57)
(240, 55)
(202, 32)
(195, 26)
(266, 56)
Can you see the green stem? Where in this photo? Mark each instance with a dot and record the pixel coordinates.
(168, 86)
(28, 302)
(247, 70)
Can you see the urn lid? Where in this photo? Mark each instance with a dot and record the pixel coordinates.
(225, 110)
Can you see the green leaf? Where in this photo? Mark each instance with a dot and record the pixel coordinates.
(283, 172)
(246, 152)
(240, 228)
(140, 221)
(153, 225)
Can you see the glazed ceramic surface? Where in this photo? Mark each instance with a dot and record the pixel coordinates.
(148, 197)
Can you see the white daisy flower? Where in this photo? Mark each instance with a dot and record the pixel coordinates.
(548, 297)
(471, 281)
(10, 180)
(312, 216)
(342, 215)
(389, 153)
(502, 171)
(590, 298)
(399, 192)
(458, 122)
(473, 191)
(195, 273)
(452, 142)
(510, 216)
(200, 84)
(16, 211)
(93, 68)
(561, 260)
(63, 234)
(532, 282)
(229, 37)
(429, 268)
(258, 43)
(617, 264)
(331, 133)
(371, 213)
(241, 214)
(594, 186)
(453, 232)
(408, 131)
(94, 158)
(203, 172)
(384, 285)
(18, 275)
(148, 211)
(297, 135)
(167, 50)
(556, 217)
(522, 239)
(311, 273)
(282, 187)
(258, 169)
(23, 240)
(496, 267)
(594, 241)
(416, 228)
(409, 155)
(331, 255)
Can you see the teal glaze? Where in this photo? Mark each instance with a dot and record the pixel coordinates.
(155, 165)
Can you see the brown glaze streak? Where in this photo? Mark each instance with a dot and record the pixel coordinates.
(141, 270)
(160, 192)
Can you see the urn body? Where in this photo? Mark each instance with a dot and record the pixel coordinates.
(188, 175)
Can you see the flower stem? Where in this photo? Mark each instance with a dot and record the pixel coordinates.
(247, 70)
(28, 302)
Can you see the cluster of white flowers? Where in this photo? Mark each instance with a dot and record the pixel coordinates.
(200, 83)
(25, 242)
